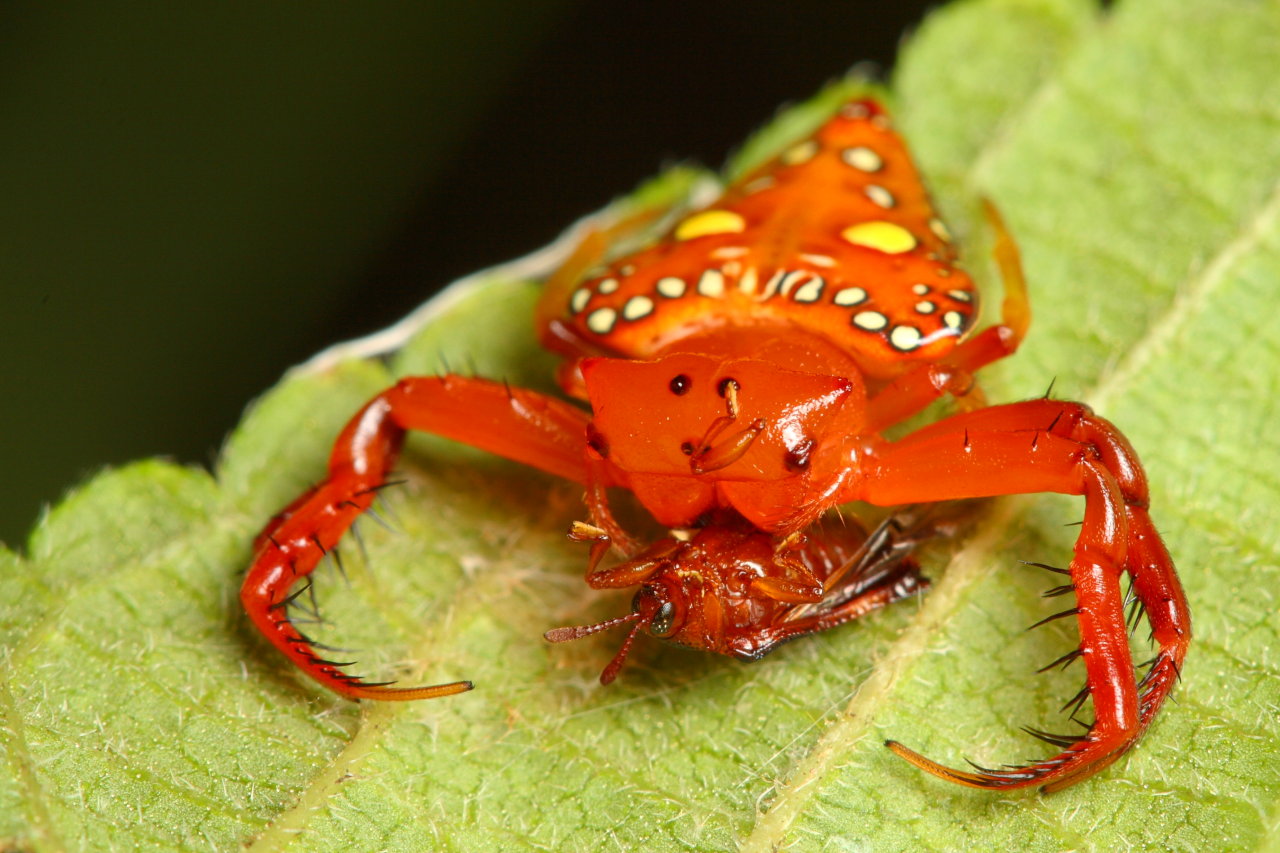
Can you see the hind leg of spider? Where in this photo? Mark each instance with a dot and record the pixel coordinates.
(520, 425)
(1045, 445)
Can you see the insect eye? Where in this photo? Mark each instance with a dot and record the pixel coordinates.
(680, 384)
(664, 620)
(723, 388)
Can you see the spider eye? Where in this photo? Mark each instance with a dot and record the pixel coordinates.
(680, 384)
(664, 620)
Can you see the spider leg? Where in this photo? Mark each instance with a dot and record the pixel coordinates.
(521, 425)
(1052, 446)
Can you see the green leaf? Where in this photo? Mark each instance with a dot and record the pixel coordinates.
(1136, 156)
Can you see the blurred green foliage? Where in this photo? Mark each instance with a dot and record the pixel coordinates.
(186, 188)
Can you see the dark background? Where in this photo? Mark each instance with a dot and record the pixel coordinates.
(194, 197)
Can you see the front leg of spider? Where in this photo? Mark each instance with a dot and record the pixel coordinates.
(1050, 446)
(520, 425)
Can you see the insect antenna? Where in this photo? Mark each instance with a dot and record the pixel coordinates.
(563, 635)
(577, 632)
(611, 671)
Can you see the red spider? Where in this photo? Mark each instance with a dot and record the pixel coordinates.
(741, 373)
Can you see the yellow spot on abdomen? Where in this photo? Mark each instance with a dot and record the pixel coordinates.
(710, 222)
(881, 236)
